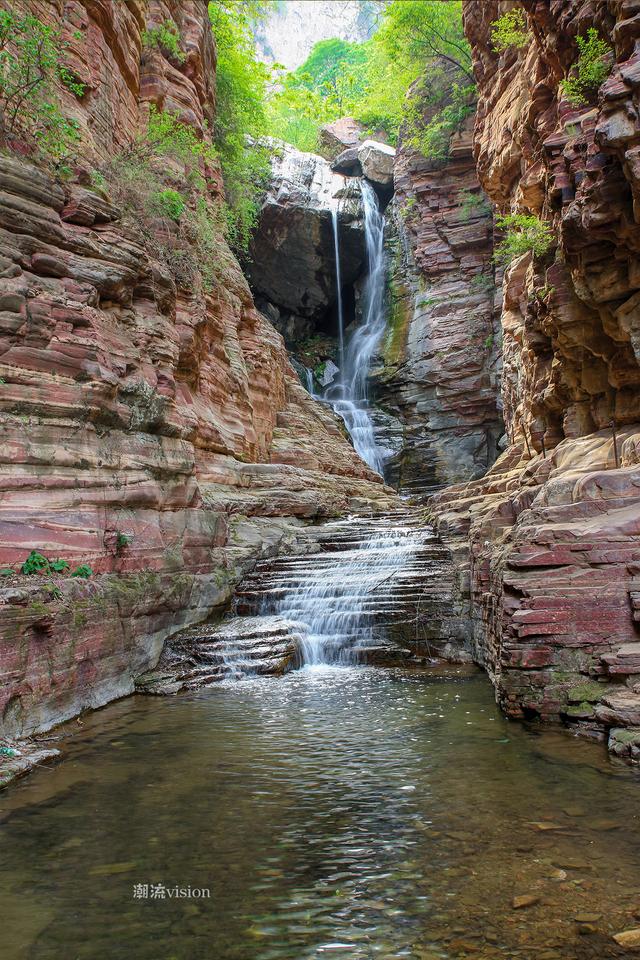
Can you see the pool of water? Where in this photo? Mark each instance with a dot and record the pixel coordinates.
(337, 812)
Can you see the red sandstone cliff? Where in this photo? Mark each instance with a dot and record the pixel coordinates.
(131, 403)
(555, 539)
(441, 373)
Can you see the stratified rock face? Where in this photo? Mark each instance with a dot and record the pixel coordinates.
(441, 375)
(130, 406)
(292, 252)
(555, 539)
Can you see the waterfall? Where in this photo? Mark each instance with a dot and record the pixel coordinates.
(338, 595)
(336, 250)
(348, 397)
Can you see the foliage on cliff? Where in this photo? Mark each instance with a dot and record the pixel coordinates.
(241, 85)
(31, 64)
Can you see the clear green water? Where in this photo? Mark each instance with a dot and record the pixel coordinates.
(348, 813)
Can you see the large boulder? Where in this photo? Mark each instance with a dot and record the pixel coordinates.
(340, 135)
(376, 160)
(292, 252)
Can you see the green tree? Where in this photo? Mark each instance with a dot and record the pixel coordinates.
(241, 84)
(421, 31)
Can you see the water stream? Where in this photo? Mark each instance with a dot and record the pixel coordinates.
(349, 395)
(337, 812)
(337, 596)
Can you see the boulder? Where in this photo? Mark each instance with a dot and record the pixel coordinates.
(292, 252)
(376, 160)
(339, 135)
(348, 163)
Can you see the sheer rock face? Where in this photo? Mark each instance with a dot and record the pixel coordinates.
(292, 252)
(132, 406)
(555, 541)
(440, 375)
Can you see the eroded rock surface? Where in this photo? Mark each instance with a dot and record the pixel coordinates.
(292, 252)
(552, 543)
(440, 376)
(131, 405)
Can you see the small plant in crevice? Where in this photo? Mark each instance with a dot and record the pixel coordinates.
(83, 571)
(123, 540)
(482, 282)
(6, 571)
(523, 234)
(166, 38)
(473, 204)
(510, 30)
(488, 343)
(589, 71)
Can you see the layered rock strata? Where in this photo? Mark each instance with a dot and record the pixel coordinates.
(554, 528)
(150, 429)
(440, 373)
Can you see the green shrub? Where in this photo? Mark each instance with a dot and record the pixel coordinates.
(30, 64)
(35, 563)
(510, 30)
(6, 571)
(166, 38)
(58, 566)
(473, 204)
(168, 136)
(170, 203)
(590, 70)
(123, 540)
(432, 139)
(524, 234)
(84, 571)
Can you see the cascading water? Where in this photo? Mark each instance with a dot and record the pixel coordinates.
(337, 596)
(348, 396)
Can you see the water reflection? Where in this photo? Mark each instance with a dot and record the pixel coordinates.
(336, 812)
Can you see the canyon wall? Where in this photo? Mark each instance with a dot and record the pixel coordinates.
(551, 536)
(152, 428)
(440, 374)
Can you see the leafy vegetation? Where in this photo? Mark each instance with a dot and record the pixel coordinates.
(169, 202)
(167, 38)
(420, 45)
(31, 64)
(590, 70)
(84, 571)
(241, 85)
(510, 30)
(523, 234)
(35, 563)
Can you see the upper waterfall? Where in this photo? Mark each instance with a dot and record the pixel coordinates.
(349, 396)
